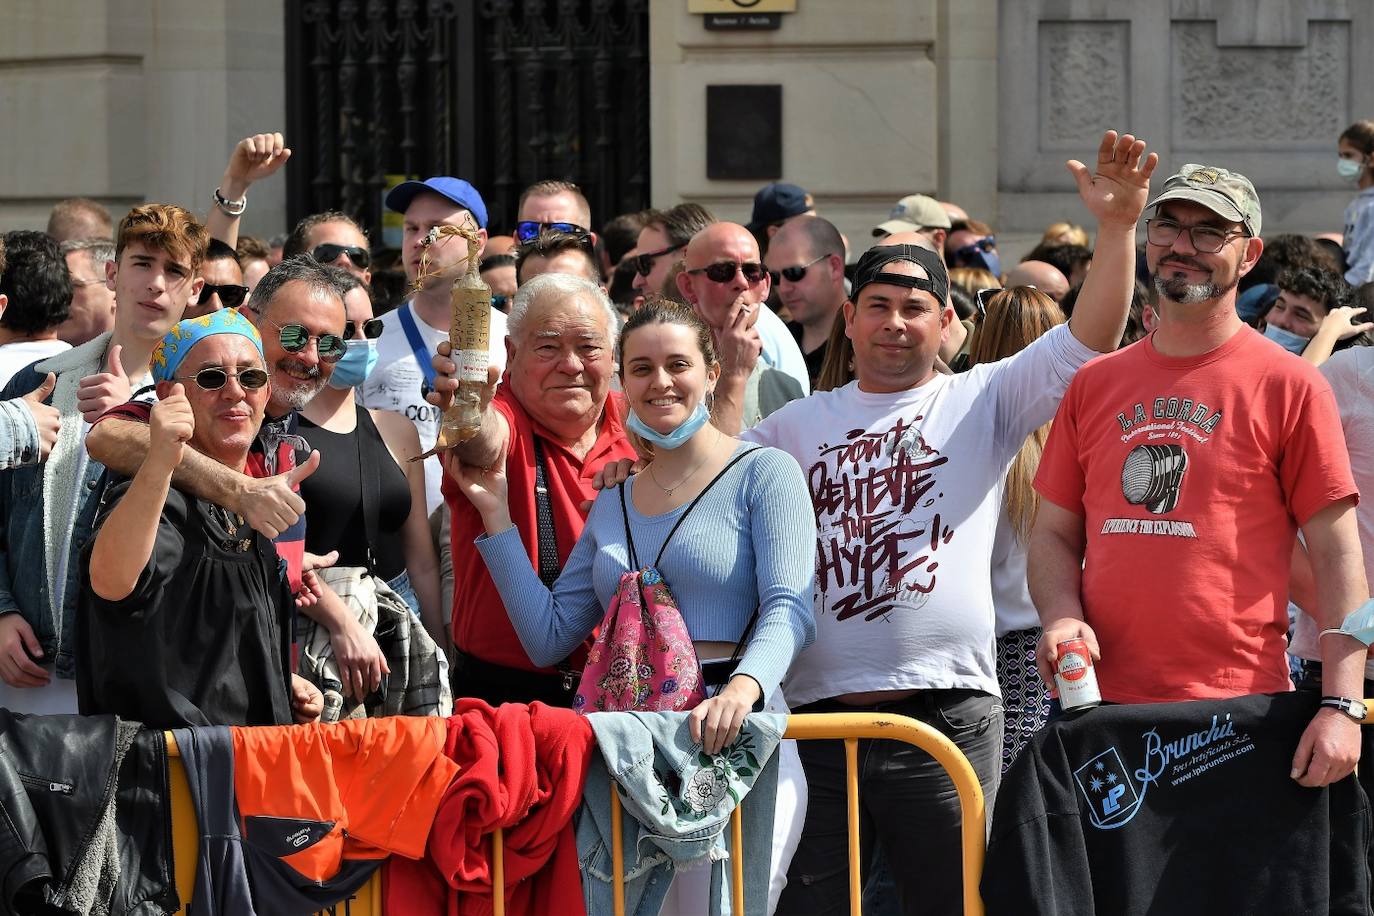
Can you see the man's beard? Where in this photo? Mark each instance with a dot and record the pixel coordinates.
(1178, 290)
(296, 393)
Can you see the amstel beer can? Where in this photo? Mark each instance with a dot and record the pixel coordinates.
(1075, 676)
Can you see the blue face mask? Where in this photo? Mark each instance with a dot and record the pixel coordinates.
(675, 438)
(1349, 169)
(1286, 339)
(355, 365)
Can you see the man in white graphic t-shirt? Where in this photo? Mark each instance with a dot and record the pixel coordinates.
(410, 334)
(905, 467)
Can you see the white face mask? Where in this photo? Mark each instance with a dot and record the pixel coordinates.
(1349, 169)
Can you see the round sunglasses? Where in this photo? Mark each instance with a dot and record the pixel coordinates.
(213, 378)
(372, 328)
(295, 338)
(724, 271)
(329, 253)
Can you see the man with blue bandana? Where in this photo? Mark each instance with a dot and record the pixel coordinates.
(184, 585)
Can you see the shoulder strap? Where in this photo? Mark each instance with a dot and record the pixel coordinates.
(631, 555)
(693, 504)
(417, 343)
(371, 480)
(543, 517)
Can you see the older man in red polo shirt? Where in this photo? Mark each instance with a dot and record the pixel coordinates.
(556, 421)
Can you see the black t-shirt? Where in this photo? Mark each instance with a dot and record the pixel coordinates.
(1176, 808)
(816, 358)
(334, 497)
(203, 639)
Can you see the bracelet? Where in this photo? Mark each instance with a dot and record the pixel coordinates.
(231, 207)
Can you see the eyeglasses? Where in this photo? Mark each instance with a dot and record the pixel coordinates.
(724, 271)
(644, 263)
(1206, 239)
(499, 300)
(527, 230)
(231, 295)
(83, 281)
(295, 338)
(372, 329)
(328, 254)
(795, 273)
(213, 378)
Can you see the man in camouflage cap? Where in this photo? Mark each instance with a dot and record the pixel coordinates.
(1175, 479)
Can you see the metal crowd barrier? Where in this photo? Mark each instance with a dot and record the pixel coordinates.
(848, 727)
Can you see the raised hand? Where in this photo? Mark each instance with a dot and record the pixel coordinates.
(253, 159)
(1117, 191)
(97, 393)
(47, 418)
(170, 427)
(738, 344)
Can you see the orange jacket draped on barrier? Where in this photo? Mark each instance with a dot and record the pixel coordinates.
(521, 768)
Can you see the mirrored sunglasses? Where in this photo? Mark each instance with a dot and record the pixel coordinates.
(527, 230)
(295, 338)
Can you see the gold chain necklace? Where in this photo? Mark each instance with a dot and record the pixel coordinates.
(668, 491)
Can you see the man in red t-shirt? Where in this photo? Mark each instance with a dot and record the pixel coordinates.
(1176, 477)
(555, 401)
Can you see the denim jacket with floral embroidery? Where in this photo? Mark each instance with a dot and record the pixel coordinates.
(676, 802)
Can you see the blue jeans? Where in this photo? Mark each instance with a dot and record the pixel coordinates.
(908, 807)
(401, 586)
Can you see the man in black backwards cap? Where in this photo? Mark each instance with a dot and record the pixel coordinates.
(905, 467)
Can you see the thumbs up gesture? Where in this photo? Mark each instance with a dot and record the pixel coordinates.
(99, 392)
(170, 427)
(47, 418)
(270, 504)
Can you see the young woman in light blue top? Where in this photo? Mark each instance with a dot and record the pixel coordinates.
(749, 543)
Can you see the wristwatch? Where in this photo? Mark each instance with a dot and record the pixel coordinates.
(231, 207)
(1355, 709)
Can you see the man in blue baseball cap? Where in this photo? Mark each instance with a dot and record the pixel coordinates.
(774, 205)
(403, 374)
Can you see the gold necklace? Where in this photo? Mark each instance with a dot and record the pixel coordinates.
(668, 491)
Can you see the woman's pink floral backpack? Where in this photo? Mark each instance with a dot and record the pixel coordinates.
(643, 659)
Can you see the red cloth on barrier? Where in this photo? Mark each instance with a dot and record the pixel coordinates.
(521, 768)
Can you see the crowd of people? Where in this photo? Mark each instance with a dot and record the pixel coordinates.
(892, 476)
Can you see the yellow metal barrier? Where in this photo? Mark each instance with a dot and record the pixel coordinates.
(850, 728)
(847, 727)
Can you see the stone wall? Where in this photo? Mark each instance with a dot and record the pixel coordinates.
(133, 100)
(1260, 86)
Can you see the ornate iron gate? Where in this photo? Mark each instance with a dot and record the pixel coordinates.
(500, 92)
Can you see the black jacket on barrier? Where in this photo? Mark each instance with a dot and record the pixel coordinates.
(86, 817)
(1176, 808)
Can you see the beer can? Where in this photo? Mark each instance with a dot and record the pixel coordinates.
(1075, 677)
